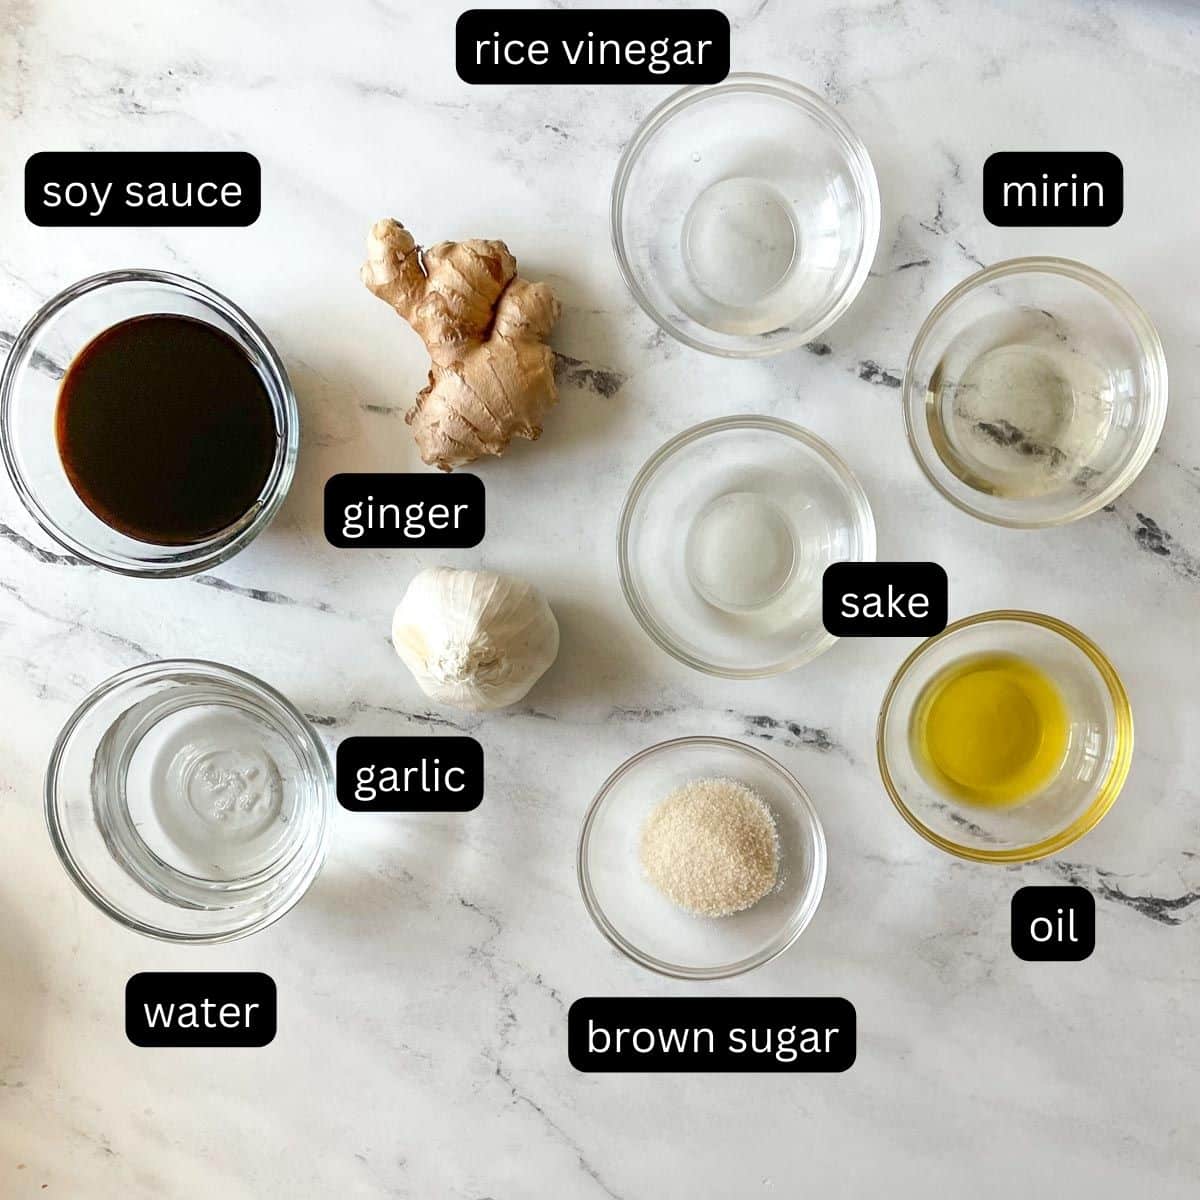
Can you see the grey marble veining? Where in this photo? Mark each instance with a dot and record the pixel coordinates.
(424, 981)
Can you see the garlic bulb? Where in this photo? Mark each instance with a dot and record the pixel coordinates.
(474, 639)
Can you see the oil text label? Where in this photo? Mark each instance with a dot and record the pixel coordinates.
(1053, 924)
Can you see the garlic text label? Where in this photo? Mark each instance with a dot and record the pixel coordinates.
(1053, 923)
(150, 188)
(394, 511)
(591, 46)
(885, 599)
(1053, 187)
(200, 1008)
(775, 1034)
(409, 774)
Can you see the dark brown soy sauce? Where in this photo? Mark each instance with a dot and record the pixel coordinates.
(166, 429)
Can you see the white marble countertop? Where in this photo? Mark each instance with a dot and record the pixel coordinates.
(424, 980)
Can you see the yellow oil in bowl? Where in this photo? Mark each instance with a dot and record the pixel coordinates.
(990, 729)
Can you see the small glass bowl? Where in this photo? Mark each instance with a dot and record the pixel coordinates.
(189, 801)
(745, 216)
(643, 923)
(29, 388)
(1100, 744)
(1035, 393)
(723, 540)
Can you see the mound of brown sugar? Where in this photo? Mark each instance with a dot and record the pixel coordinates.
(711, 847)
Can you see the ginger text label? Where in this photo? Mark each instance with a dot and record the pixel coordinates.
(776, 1034)
(624, 45)
(409, 774)
(392, 511)
(196, 1008)
(155, 188)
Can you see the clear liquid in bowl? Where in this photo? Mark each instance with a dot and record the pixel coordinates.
(1017, 408)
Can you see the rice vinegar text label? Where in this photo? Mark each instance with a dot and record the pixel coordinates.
(592, 46)
(1053, 924)
(1053, 188)
(197, 1008)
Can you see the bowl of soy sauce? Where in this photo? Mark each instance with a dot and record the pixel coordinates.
(147, 424)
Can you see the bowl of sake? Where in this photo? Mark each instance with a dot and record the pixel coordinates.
(724, 539)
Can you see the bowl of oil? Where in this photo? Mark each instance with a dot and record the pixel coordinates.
(1035, 392)
(1005, 738)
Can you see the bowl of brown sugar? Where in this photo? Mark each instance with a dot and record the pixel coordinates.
(701, 858)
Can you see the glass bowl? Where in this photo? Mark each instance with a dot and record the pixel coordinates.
(745, 216)
(29, 388)
(723, 540)
(189, 801)
(1035, 392)
(643, 923)
(1099, 750)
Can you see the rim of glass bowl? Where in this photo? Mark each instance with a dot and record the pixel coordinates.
(263, 691)
(189, 560)
(1109, 789)
(1143, 330)
(673, 970)
(857, 158)
(661, 638)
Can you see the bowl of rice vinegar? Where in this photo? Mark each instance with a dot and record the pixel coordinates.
(1005, 738)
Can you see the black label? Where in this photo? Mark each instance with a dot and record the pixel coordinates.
(409, 774)
(1053, 187)
(388, 512)
(197, 1008)
(885, 599)
(205, 187)
(1053, 924)
(773, 1034)
(624, 45)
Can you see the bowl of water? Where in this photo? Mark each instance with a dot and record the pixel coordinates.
(745, 216)
(1035, 392)
(189, 801)
(725, 536)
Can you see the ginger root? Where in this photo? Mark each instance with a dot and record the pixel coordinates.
(492, 374)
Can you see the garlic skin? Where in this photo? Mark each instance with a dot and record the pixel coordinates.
(474, 639)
